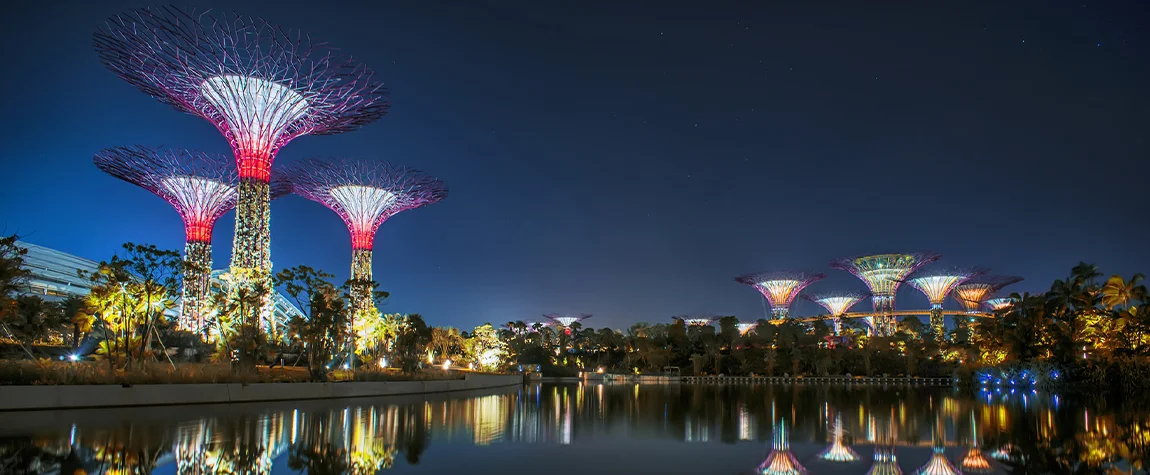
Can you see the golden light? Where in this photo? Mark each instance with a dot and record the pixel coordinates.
(447, 365)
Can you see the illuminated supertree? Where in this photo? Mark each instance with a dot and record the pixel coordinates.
(201, 187)
(261, 85)
(695, 321)
(745, 328)
(779, 288)
(975, 292)
(838, 451)
(837, 304)
(365, 194)
(936, 285)
(975, 461)
(938, 464)
(999, 303)
(564, 321)
(780, 461)
(883, 273)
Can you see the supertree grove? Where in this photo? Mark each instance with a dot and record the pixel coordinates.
(261, 85)
(975, 292)
(882, 274)
(936, 285)
(837, 304)
(364, 194)
(779, 288)
(780, 461)
(201, 187)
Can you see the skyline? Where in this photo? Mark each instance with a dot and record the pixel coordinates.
(535, 226)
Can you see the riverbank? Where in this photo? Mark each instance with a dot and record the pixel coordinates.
(22, 398)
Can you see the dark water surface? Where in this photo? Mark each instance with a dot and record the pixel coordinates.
(593, 429)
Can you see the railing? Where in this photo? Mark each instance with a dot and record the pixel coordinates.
(903, 380)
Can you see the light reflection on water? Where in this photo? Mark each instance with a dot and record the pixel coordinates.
(576, 428)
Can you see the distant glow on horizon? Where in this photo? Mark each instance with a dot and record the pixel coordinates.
(256, 112)
(362, 207)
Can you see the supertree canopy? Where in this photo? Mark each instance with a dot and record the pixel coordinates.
(566, 320)
(365, 194)
(936, 285)
(259, 84)
(695, 321)
(744, 328)
(975, 292)
(837, 304)
(999, 303)
(780, 461)
(201, 187)
(779, 288)
(883, 273)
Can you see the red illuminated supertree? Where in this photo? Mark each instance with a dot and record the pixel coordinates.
(837, 304)
(936, 285)
(201, 187)
(261, 85)
(779, 288)
(365, 194)
(564, 322)
(883, 273)
(975, 292)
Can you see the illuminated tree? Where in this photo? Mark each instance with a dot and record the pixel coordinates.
(780, 461)
(999, 303)
(365, 194)
(975, 292)
(883, 273)
(745, 327)
(838, 451)
(779, 288)
(201, 187)
(936, 285)
(565, 321)
(695, 321)
(837, 304)
(261, 85)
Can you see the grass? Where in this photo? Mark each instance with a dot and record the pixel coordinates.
(65, 373)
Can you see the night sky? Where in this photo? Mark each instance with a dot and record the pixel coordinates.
(628, 161)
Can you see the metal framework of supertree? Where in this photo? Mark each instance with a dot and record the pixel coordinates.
(838, 451)
(837, 304)
(364, 194)
(565, 321)
(201, 187)
(882, 274)
(745, 328)
(695, 321)
(999, 303)
(937, 285)
(259, 84)
(779, 288)
(780, 461)
(975, 292)
(974, 461)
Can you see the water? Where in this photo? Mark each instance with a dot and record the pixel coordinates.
(582, 429)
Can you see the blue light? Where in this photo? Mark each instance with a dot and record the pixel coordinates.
(74, 357)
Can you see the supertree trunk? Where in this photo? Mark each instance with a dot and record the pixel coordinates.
(251, 245)
(883, 322)
(197, 273)
(361, 277)
(938, 324)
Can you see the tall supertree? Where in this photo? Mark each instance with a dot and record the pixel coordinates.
(837, 304)
(936, 285)
(780, 461)
(261, 85)
(779, 288)
(201, 187)
(883, 273)
(365, 194)
(975, 292)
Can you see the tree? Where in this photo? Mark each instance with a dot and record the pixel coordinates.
(32, 320)
(324, 326)
(75, 310)
(411, 343)
(13, 276)
(1118, 292)
(485, 348)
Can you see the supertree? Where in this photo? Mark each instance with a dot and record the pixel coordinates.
(883, 273)
(837, 304)
(936, 285)
(999, 303)
(201, 187)
(365, 194)
(779, 288)
(745, 328)
(974, 461)
(938, 464)
(261, 85)
(695, 321)
(838, 451)
(565, 321)
(780, 461)
(975, 292)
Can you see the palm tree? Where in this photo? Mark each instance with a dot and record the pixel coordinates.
(75, 310)
(1120, 292)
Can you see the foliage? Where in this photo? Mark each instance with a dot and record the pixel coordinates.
(324, 328)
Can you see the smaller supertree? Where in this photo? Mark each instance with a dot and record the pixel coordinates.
(999, 303)
(780, 461)
(779, 288)
(837, 304)
(975, 292)
(745, 328)
(695, 321)
(936, 285)
(838, 451)
(883, 273)
(565, 321)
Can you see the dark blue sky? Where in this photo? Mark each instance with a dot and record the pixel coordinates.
(628, 161)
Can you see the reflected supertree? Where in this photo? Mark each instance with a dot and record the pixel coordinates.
(838, 451)
(938, 464)
(885, 459)
(974, 461)
(780, 461)
(261, 85)
(364, 194)
(882, 274)
(779, 288)
(695, 321)
(936, 285)
(837, 304)
(745, 328)
(975, 292)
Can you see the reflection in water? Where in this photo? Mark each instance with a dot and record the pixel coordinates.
(818, 427)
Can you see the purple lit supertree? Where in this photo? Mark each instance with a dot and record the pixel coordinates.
(837, 304)
(883, 273)
(565, 321)
(365, 194)
(975, 292)
(261, 85)
(936, 285)
(201, 187)
(779, 288)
